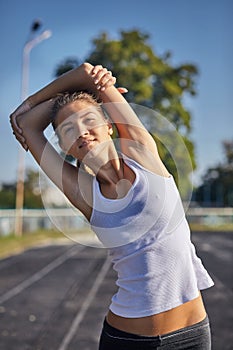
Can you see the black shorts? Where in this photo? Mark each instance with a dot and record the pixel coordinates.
(196, 337)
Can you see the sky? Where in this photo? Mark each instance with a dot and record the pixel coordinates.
(195, 31)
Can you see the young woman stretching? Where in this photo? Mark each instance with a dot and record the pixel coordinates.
(131, 202)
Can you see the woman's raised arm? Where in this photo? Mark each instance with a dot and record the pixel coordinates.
(135, 141)
(63, 174)
(127, 122)
(74, 80)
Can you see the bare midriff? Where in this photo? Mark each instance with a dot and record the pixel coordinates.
(182, 316)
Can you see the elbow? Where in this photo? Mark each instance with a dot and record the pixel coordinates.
(87, 67)
(85, 80)
(83, 72)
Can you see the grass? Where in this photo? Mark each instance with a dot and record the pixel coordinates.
(211, 228)
(11, 244)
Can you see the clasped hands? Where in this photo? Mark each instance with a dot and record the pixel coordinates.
(102, 79)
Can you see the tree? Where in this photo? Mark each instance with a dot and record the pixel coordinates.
(7, 196)
(32, 197)
(68, 64)
(155, 83)
(228, 151)
(217, 182)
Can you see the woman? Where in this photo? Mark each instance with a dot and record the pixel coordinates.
(131, 202)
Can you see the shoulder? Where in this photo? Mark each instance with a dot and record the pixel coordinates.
(146, 158)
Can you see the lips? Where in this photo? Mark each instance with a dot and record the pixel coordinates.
(86, 143)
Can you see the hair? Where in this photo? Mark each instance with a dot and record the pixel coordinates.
(66, 98)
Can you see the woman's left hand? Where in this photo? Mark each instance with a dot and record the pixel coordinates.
(103, 79)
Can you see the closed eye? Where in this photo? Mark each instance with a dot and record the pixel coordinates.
(90, 118)
(66, 131)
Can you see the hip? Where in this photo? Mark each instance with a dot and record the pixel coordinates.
(197, 336)
(177, 318)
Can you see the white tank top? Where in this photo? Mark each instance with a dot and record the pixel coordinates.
(148, 238)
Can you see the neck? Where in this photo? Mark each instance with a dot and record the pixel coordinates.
(108, 167)
(111, 172)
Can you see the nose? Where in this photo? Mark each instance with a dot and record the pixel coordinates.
(81, 130)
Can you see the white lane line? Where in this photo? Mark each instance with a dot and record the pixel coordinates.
(39, 274)
(14, 257)
(79, 317)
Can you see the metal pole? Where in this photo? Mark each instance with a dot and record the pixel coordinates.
(21, 157)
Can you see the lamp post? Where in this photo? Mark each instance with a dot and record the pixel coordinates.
(30, 43)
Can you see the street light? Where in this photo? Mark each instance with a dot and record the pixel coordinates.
(30, 43)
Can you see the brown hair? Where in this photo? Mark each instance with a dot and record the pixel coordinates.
(66, 98)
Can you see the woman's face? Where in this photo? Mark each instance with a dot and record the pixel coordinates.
(81, 128)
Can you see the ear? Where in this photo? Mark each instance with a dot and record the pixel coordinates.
(110, 129)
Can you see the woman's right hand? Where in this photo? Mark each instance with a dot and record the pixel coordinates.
(24, 107)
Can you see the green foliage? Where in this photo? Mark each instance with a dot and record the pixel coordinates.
(65, 66)
(228, 151)
(149, 77)
(153, 81)
(7, 196)
(12, 244)
(32, 197)
(217, 183)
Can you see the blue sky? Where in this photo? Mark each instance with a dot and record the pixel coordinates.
(195, 31)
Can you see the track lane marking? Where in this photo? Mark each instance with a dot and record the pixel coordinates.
(90, 296)
(39, 274)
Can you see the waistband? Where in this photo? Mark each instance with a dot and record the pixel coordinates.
(177, 335)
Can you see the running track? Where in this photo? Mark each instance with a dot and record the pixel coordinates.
(55, 297)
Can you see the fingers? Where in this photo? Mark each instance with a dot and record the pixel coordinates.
(122, 90)
(14, 124)
(102, 78)
(24, 107)
(21, 140)
(17, 132)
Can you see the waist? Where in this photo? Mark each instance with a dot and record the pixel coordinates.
(182, 316)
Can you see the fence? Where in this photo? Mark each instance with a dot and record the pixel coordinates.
(73, 219)
(34, 219)
(210, 216)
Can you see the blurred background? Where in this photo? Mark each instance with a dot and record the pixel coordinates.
(175, 58)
